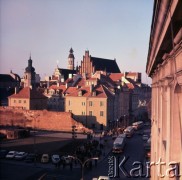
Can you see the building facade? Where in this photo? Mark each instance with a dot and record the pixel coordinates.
(89, 65)
(164, 66)
(93, 105)
(28, 98)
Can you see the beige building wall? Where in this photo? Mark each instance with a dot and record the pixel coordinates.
(21, 103)
(88, 110)
(28, 104)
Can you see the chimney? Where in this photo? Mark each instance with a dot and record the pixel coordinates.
(16, 90)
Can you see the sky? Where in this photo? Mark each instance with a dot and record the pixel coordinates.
(47, 29)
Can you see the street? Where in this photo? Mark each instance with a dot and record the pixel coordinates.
(133, 153)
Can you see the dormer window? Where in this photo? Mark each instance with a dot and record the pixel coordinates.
(94, 93)
(80, 93)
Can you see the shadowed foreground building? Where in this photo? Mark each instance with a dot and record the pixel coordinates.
(164, 66)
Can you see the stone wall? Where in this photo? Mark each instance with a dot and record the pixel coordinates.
(47, 120)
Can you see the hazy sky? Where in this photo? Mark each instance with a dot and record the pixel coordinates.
(49, 28)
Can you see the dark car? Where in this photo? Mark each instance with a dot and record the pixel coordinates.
(3, 153)
(30, 158)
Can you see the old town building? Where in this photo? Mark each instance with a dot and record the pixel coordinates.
(55, 94)
(133, 95)
(164, 66)
(89, 65)
(93, 105)
(29, 97)
(61, 74)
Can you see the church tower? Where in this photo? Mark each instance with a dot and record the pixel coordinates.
(29, 75)
(71, 60)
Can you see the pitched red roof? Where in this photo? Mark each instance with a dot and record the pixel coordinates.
(116, 76)
(60, 87)
(70, 90)
(81, 82)
(130, 86)
(100, 92)
(28, 93)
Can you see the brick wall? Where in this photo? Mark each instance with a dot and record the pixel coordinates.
(58, 121)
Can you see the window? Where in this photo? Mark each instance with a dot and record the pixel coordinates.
(19, 101)
(101, 113)
(90, 103)
(80, 93)
(69, 103)
(83, 103)
(24, 101)
(14, 101)
(101, 103)
(90, 113)
(83, 113)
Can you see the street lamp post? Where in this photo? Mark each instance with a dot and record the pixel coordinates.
(83, 163)
(34, 135)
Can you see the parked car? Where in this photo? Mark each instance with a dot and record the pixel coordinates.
(66, 159)
(45, 158)
(3, 153)
(30, 158)
(20, 155)
(11, 154)
(55, 159)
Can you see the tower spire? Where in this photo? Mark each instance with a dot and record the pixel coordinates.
(30, 55)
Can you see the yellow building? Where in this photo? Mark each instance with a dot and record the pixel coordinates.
(164, 66)
(91, 105)
(29, 99)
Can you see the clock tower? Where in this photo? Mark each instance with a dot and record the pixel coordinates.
(71, 60)
(29, 75)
